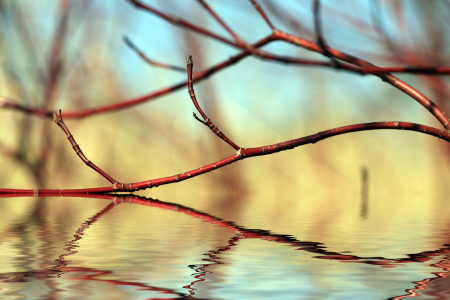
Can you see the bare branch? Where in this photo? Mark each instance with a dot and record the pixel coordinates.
(394, 81)
(60, 122)
(236, 38)
(242, 153)
(148, 60)
(262, 13)
(319, 36)
(183, 23)
(207, 121)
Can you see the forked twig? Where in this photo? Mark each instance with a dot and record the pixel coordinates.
(206, 121)
(353, 64)
(350, 63)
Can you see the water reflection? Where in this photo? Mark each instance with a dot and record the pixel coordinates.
(62, 269)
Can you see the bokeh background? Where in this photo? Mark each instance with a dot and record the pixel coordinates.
(70, 55)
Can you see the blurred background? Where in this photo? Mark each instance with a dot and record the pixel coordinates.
(70, 55)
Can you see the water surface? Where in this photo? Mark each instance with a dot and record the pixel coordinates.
(142, 248)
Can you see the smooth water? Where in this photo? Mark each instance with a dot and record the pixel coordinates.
(138, 248)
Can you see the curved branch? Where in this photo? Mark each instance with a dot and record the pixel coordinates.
(394, 81)
(206, 121)
(242, 153)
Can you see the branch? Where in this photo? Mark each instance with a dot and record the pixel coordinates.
(182, 23)
(60, 122)
(37, 111)
(359, 63)
(319, 37)
(362, 67)
(222, 23)
(262, 13)
(394, 81)
(148, 60)
(206, 121)
(242, 153)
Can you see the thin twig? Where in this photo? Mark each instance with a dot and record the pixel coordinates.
(319, 35)
(262, 13)
(183, 23)
(235, 36)
(151, 61)
(207, 121)
(60, 122)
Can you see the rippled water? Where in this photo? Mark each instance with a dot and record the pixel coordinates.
(138, 248)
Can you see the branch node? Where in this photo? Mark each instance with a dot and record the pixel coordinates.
(57, 116)
(198, 119)
(319, 37)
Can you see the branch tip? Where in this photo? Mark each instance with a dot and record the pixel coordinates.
(189, 59)
(57, 116)
(129, 43)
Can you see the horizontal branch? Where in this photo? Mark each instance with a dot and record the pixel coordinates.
(241, 154)
(199, 76)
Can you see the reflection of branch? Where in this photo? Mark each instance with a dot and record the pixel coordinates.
(244, 233)
(240, 233)
(201, 269)
(426, 284)
(88, 274)
(61, 261)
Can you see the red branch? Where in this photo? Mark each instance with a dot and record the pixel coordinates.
(206, 121)
(59, 121)
(346, 62)
(349, 63)
(242, 153)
